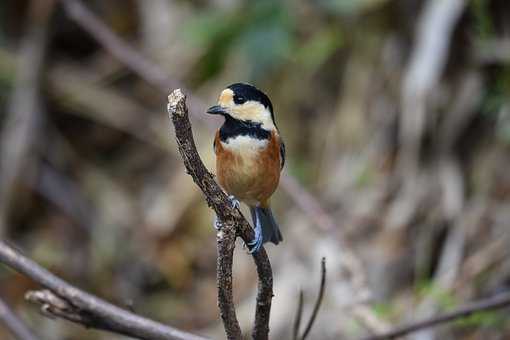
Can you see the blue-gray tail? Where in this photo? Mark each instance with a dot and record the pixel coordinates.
(269, 228)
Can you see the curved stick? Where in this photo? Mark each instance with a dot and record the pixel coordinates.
(316, 307)
(234, 224)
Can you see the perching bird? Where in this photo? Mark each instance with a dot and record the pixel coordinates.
(249, 156)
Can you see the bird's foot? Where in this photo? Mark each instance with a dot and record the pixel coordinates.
(255, 244)
(217, 224)
(234, 202)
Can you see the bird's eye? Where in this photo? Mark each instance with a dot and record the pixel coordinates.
(239, 99)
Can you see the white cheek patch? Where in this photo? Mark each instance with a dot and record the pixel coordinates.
(254, 112)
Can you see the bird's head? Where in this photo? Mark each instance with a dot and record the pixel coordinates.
(245, 103)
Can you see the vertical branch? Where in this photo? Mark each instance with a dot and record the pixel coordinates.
(226, 242)
(318, 301)
(316, 307)
(265, 290)
(299, 315)
(233, 225)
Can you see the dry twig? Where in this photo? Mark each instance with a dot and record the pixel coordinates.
(299, 315)
(234, 224)
(63, 300)
(151, 72)
(496, 302)
(316, 307)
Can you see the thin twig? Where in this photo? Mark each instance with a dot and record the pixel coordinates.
(299, 315)
(233, 224)
(66, 301)
(14, 323)
(496, 302)
(318, 301)
(149, 71)
(153, 74)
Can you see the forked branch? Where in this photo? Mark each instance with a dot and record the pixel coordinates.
(233, 225)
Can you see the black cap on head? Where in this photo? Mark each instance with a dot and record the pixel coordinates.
(245, 92)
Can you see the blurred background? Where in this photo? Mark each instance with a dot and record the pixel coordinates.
(396, 118)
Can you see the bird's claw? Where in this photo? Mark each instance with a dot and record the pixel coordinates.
(217, 224)
(255, 244)
(234, 202)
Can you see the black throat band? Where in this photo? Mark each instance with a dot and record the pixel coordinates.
(234, 127)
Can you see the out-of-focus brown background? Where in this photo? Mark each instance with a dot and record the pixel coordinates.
(396, 117)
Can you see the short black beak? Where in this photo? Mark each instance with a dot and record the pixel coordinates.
(216, 110)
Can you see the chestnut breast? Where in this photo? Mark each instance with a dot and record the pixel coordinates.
(248, 167)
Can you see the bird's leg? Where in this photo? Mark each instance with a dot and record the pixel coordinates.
(234, 202)
(257, 241)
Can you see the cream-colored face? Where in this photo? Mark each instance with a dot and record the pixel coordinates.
(249, 110)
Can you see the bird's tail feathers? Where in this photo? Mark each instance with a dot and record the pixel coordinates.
(269, 228)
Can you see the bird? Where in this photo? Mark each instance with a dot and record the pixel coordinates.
(250, 154)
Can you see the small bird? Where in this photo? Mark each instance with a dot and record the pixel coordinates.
(250, 155)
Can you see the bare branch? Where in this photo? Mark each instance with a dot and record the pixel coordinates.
(66, 301)
(154, 75)
(299, 315)
(14, 323)
(318, 302)
(234, 224)
(496, 302)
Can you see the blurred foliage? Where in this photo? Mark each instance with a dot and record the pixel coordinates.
(349, 7)
(482, 19)
(261, 32)
(483, 319)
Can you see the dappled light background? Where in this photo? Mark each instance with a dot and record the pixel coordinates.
(396, 118)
